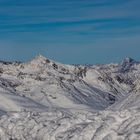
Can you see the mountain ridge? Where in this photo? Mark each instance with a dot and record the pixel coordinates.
(44, 95)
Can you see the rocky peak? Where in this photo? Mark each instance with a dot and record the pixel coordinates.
(126, 64)
(40, 58)
(127, 60)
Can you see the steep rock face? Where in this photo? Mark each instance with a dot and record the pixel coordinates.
(44, 99)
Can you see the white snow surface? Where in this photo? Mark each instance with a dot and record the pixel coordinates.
(46, 100)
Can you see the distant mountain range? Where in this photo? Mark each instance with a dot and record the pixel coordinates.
(46, 100)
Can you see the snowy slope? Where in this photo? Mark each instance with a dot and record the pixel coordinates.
(59, 125)
(44, 99)
(11, 102)
(52, 84)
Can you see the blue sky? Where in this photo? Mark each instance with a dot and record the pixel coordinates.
(70, 31)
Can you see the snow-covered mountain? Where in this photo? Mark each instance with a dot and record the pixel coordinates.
(44, 99)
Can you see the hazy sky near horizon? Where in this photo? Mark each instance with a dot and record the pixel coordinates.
(70, 31)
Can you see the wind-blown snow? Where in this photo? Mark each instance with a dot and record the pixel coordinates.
(46, 100)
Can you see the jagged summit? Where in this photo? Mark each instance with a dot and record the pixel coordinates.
(40, 58)
(127, 60)
(127, 64)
